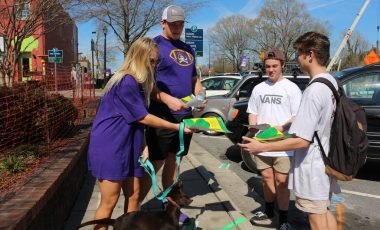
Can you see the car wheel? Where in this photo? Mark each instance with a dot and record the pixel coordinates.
(211, 133)
(249, 159)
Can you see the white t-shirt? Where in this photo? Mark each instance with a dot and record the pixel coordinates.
(275, 104)
(307, 176)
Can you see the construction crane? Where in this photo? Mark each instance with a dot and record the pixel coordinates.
(347, 36)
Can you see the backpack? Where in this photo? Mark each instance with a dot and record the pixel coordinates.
(348, 138)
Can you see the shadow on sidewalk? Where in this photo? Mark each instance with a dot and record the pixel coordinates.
(81, 204)
(233, 154)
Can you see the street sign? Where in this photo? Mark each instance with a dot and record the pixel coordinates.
(55, 56)
(194, 37)
(371, 58)
(194, 29)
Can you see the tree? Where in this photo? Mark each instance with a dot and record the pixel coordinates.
(356, 49)
(128, 19)
(21, 19)
(279, 23)
(231, 37)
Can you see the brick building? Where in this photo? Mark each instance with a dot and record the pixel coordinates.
(33, 60)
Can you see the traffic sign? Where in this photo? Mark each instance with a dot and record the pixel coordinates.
(194, 37)
(55, 55)
(190, 35)
(371, 58)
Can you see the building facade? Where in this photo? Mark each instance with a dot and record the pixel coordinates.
(33, 59)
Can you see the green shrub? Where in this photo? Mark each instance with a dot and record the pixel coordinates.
(13, 164)
(29, 115)
(28, 151)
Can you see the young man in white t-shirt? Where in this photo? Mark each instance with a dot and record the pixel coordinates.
(311, 185)
(275, 102)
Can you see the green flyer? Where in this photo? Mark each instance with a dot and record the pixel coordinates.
(269, 134)
(207, 124)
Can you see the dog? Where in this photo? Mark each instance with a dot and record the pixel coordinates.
(158, 220)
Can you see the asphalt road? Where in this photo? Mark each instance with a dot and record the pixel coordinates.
(361, 197)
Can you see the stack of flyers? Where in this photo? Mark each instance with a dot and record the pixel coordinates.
(192, 101)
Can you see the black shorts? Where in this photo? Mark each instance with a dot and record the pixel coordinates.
(161, 142)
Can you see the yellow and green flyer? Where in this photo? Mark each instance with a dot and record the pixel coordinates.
(207, 124)
(271, 134)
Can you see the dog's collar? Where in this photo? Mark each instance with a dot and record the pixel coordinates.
(173, 202)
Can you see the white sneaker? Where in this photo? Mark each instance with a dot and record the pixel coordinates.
(261, 218)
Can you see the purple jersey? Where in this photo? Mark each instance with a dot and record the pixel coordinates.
(175, 70)
(116, 139)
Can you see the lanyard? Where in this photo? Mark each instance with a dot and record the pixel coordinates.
(148, 167)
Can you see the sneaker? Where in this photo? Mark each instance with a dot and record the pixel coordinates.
(261, 218)
(285, 226)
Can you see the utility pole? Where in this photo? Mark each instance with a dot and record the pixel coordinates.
(92, 57)
(347, 36)
(377, 40)
(209, 56)
(105, 53)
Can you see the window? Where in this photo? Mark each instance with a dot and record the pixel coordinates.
(247, 87)
(229, 83)
(364, 88)
(22, 10)
(212, 84)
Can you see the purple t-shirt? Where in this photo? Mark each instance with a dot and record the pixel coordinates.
(116, 139)
(175, 70)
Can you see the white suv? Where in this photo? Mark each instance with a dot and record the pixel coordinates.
(219, 85)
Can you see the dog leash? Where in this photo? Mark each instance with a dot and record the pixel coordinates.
(148, 167)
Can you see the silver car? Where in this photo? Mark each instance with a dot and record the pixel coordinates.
(221, 104)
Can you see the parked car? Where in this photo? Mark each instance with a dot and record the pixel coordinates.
(361, 84)
(227, 74)
(219, 85)
(220, 105)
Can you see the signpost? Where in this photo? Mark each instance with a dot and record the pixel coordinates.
(55, 56)
(194, 37)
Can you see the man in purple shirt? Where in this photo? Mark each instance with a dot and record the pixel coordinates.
(175, 75)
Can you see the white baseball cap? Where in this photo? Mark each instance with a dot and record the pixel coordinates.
(173, 13)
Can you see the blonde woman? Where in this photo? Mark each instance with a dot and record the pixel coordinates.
(117, 136)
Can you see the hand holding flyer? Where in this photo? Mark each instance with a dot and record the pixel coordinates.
(195, 101)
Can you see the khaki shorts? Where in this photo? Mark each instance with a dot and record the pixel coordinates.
(312, 206)
(280, 164)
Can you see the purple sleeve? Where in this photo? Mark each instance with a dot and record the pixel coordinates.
(130, 101)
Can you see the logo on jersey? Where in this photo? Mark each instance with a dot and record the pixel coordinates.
(181, 57)
(271, 99)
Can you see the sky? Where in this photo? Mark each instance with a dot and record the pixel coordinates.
(340, 14)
